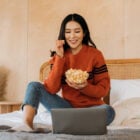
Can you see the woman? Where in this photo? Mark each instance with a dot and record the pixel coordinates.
(74, 49)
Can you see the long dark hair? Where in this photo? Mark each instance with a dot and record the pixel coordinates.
(79, 19)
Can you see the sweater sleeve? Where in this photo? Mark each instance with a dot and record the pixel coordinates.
(100, 85)
(53, 82)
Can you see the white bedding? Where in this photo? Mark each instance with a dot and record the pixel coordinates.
(124, 89)
(127, 116)
(127, 113)
(42, 119)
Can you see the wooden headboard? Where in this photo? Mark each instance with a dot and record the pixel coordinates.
(118, 69)
(124, 68)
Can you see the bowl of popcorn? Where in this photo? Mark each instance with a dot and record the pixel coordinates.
(76, 75)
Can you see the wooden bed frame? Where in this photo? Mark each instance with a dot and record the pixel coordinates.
(118, 69)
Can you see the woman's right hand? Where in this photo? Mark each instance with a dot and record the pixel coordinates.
(60, 48)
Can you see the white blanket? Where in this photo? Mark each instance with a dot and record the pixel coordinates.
(127, 113)
(12, 119)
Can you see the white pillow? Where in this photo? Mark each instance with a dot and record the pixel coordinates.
(124, 89)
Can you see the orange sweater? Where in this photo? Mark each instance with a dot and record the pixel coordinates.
(88, 59)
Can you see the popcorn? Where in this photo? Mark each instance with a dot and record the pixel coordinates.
(76, 75)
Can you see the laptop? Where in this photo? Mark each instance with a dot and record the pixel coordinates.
(79, 121)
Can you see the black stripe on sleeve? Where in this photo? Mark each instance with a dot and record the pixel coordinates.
(99, 70)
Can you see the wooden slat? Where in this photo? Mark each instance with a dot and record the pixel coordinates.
(123, 61)
(9, 106)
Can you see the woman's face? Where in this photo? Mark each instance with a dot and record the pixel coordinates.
(74, 36)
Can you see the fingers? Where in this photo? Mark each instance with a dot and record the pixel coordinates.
(76, 86)
(59, 47)
(60, 43)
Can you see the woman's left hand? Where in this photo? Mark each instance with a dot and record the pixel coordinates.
(75, 85)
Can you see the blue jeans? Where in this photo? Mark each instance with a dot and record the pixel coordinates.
(36, 93)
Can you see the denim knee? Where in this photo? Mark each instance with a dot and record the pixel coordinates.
(32, 94)
(35, 85)
(110, 114)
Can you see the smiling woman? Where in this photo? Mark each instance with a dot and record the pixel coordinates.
(74, 50)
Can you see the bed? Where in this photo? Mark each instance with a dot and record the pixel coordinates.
(124, 97)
